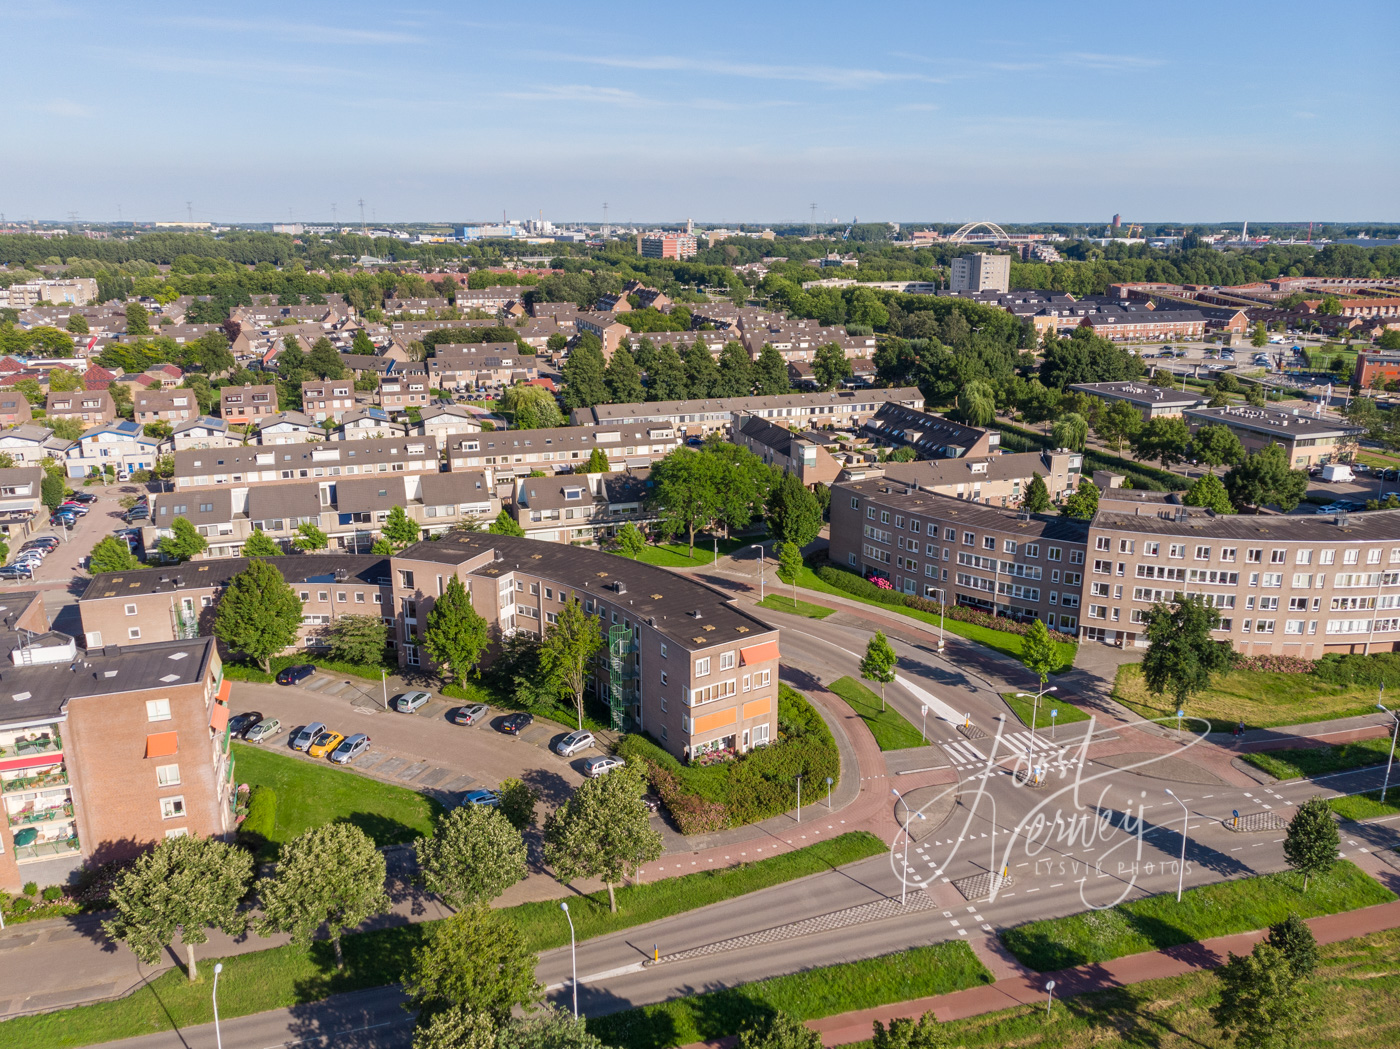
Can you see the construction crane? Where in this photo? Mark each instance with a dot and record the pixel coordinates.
(1134, 228)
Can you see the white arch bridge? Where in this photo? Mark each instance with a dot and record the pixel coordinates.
(964, 231)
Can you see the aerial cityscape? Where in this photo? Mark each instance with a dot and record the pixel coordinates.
(760, 527)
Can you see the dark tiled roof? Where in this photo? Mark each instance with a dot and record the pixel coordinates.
(216, 572)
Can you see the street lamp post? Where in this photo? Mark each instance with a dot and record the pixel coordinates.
(384, 684)
(1035, 708)
(829, 782)
(573, 956)
(942, 600)
(799, 799)
(218, 1037)
(1181, 871)
(1049, 995)
(760, 570)
(903, 862)
(1394, 728)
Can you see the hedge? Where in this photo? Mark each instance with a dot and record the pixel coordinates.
(860, 587)
(1382, 668)
(752, 786)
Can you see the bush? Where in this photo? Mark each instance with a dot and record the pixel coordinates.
(1383, 668)
(256, 829)
(52, 892)
(21, 905)
(1275, 664)
(31, 888)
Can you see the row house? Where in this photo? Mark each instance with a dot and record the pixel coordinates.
(507, 454)
(488, 300)
(1118, 322)
(536, 332)
(361, 364)
(795, 343)
(15, 409)
(682, 662)
(1306, 439)
(369, 421)
(801, 376)
(278, 464)
(268, 314)
(324, 399)
(22, 508)
(415, 307)
(479, 366)
(91, 408)
(789, 451)
(444, 421)
(121, 447)
(931, 436)
(1367, 307)
(29, 444)
(582, 508)
(839, 409)
(204, 432)
(401, 391)
(289, 428)
(170, 406)
(563, 314)
(247, 403)
(680, 341)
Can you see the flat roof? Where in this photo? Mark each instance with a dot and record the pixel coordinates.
(967, 513)
(1374, 526)
(1276, 422)
(1139, 393)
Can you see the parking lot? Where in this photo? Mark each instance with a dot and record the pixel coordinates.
(104, 518)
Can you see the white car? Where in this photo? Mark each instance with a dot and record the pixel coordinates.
(264, 730)
(575, 742)
(408, 702)
(595, 767)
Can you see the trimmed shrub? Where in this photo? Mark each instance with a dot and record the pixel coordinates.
(256, 829)
(1277, 664)
(20, 905)
(31, 888)
(1383, 668)
(52, 892)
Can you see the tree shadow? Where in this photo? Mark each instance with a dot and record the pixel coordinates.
(382, 830)
(802, 680)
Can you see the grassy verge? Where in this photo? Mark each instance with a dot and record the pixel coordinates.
(243, 672)
(1367, 806)
(310, 795)
(562, 714)
(1261, 699)
(806, 995)
(1351, 996)
(284, 976)
(1211, 910)
(999, 640)
(678, 555)
(778, 603)
(1066, 714)
(888, 726)
(1318, 761)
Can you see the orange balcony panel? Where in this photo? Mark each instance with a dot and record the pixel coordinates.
(162, 744)
(757, 708)
(761, 653)
(218, 717)
(718, 719)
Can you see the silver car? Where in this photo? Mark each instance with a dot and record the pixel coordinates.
(575, 742)
(595, 767)
(303, 739)
(351, 749)
(408, 702)
(263, 731)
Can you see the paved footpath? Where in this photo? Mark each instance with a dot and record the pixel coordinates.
(1016, 985)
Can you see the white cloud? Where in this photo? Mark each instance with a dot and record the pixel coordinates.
(1113, 63)
(302, 31)
(832, 76)
(918, 107)
(62, 107)
(585, 93)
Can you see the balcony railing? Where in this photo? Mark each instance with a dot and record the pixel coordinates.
(47, 779)
(45, 849)
(24, 747)
(41, 815)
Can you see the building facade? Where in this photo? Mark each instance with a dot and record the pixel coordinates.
(1307, 440)
(981, 272)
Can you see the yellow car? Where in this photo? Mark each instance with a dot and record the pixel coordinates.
(325, 743)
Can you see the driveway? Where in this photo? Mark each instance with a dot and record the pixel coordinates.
(104, 518)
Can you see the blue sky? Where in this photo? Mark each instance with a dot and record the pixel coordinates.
(721, 111)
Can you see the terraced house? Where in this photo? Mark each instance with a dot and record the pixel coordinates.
(840, 408)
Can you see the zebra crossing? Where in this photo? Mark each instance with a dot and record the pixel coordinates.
(966, 755)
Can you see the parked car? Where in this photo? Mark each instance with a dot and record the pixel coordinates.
(307, 736)
(63, 520)
(485, 798)
(471, 715)
(325, 744)
(263, 731)
(408, 702)
(1391, 474)
(575, 742)
(595, 767)
(350, 749)
(77, 509)
(22, 571)
(513, 724)
(239, 724)
(291, 675)
(82, 497)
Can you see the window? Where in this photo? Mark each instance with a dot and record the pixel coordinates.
(1031, 550)
(761, 678)
(663, 650)
(131, 610)
(949, 534)
(989, 542)
(702, 667)
(760, 735)
(1302, 580)
(157, 710)
(748, 683)
(167, 775)
(726, 661)
(1304, 557)
(1151, 549)
(1202, 553)
(1277, 557)
(1293, 626)
(1177, 550)
(969, 539)
(1327, 557)
(178, 832)
(1102, 543)
(1008, 546)
(405, 579)
(172, 808)
(663, 677)
(1254, 557)
(1227, 553)
(359, 597)
(1349, 557)
(1097, 611)
(133, 633)
(1125, 546)
(1052, 553)
(1373, 557)
(1264, 626)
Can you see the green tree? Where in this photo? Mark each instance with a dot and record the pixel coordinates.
(1264, 478)
(770, 373)
(260, 544)
(701, 373)
(331, 876)
(34, 393)
(259, 614)
(400, 529)
(1037, 497)
(603, 831)
(569, 644)
(324, 360)
(533, 407)
(830, 366)
(518, 801)
(778, 1030)
(556, 342)
(1118, 423)
(1215, 445)
(476, 961)
(1181, 654)
(666, 379)
(976, 403)
(547, 1028)
(1390, 339)
(381, 547)
(112, 555)
(685, 492)
(358, 639)
(631, 541)
(1209, 491)
(473, 856)
(904, 1033)
(1261, 1000)
(184, 542)
(1038, 652)
(138, 321)
(1260, 337)
(1070, 431)
(1167, 440)
(790, 565)
(504, 524)
(64, 380)
(187, 884)
(1084, 502)
(78, 324)
(597, 462)
(1311, 842)
(66, 429)
(1254, 396)
(52, 491)
(309, 537)
(623, 378)
(456, 1028)
(1293, 937)
(794, 515)
(585, 374)
(454, 634)
(736, 371)
(878, 663)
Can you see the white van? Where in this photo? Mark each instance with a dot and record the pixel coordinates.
(1337, 472)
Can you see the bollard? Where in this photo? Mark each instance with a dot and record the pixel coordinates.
(655, 953)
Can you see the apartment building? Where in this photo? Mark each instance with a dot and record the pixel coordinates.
(78, 291)
(1307, 440)
(1152, 402)
(842, 409)
(1372, 365)
(931, 436)
(107, 751)
(89, 408)
(564, 449)
(1123, 322)
(981, 272)
(681, 662)
(581, 508)
(170, 406)
(610, 331)
(666, 245)
(324, 399)
(1024, 566)
(247, 403)
(398, 393)
(994, 480)
(789, 451)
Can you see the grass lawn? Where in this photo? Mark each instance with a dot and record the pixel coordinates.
(1317, 761)
(561, 713)
(1261, 699)
(1367, 806)
(1000, 640)
(285, 976)
(243, 672)
(310, 795)
(1211, 910)
(677, 555)
(1067, 714)
(888, 726)
(778, 603)
(806, 995)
